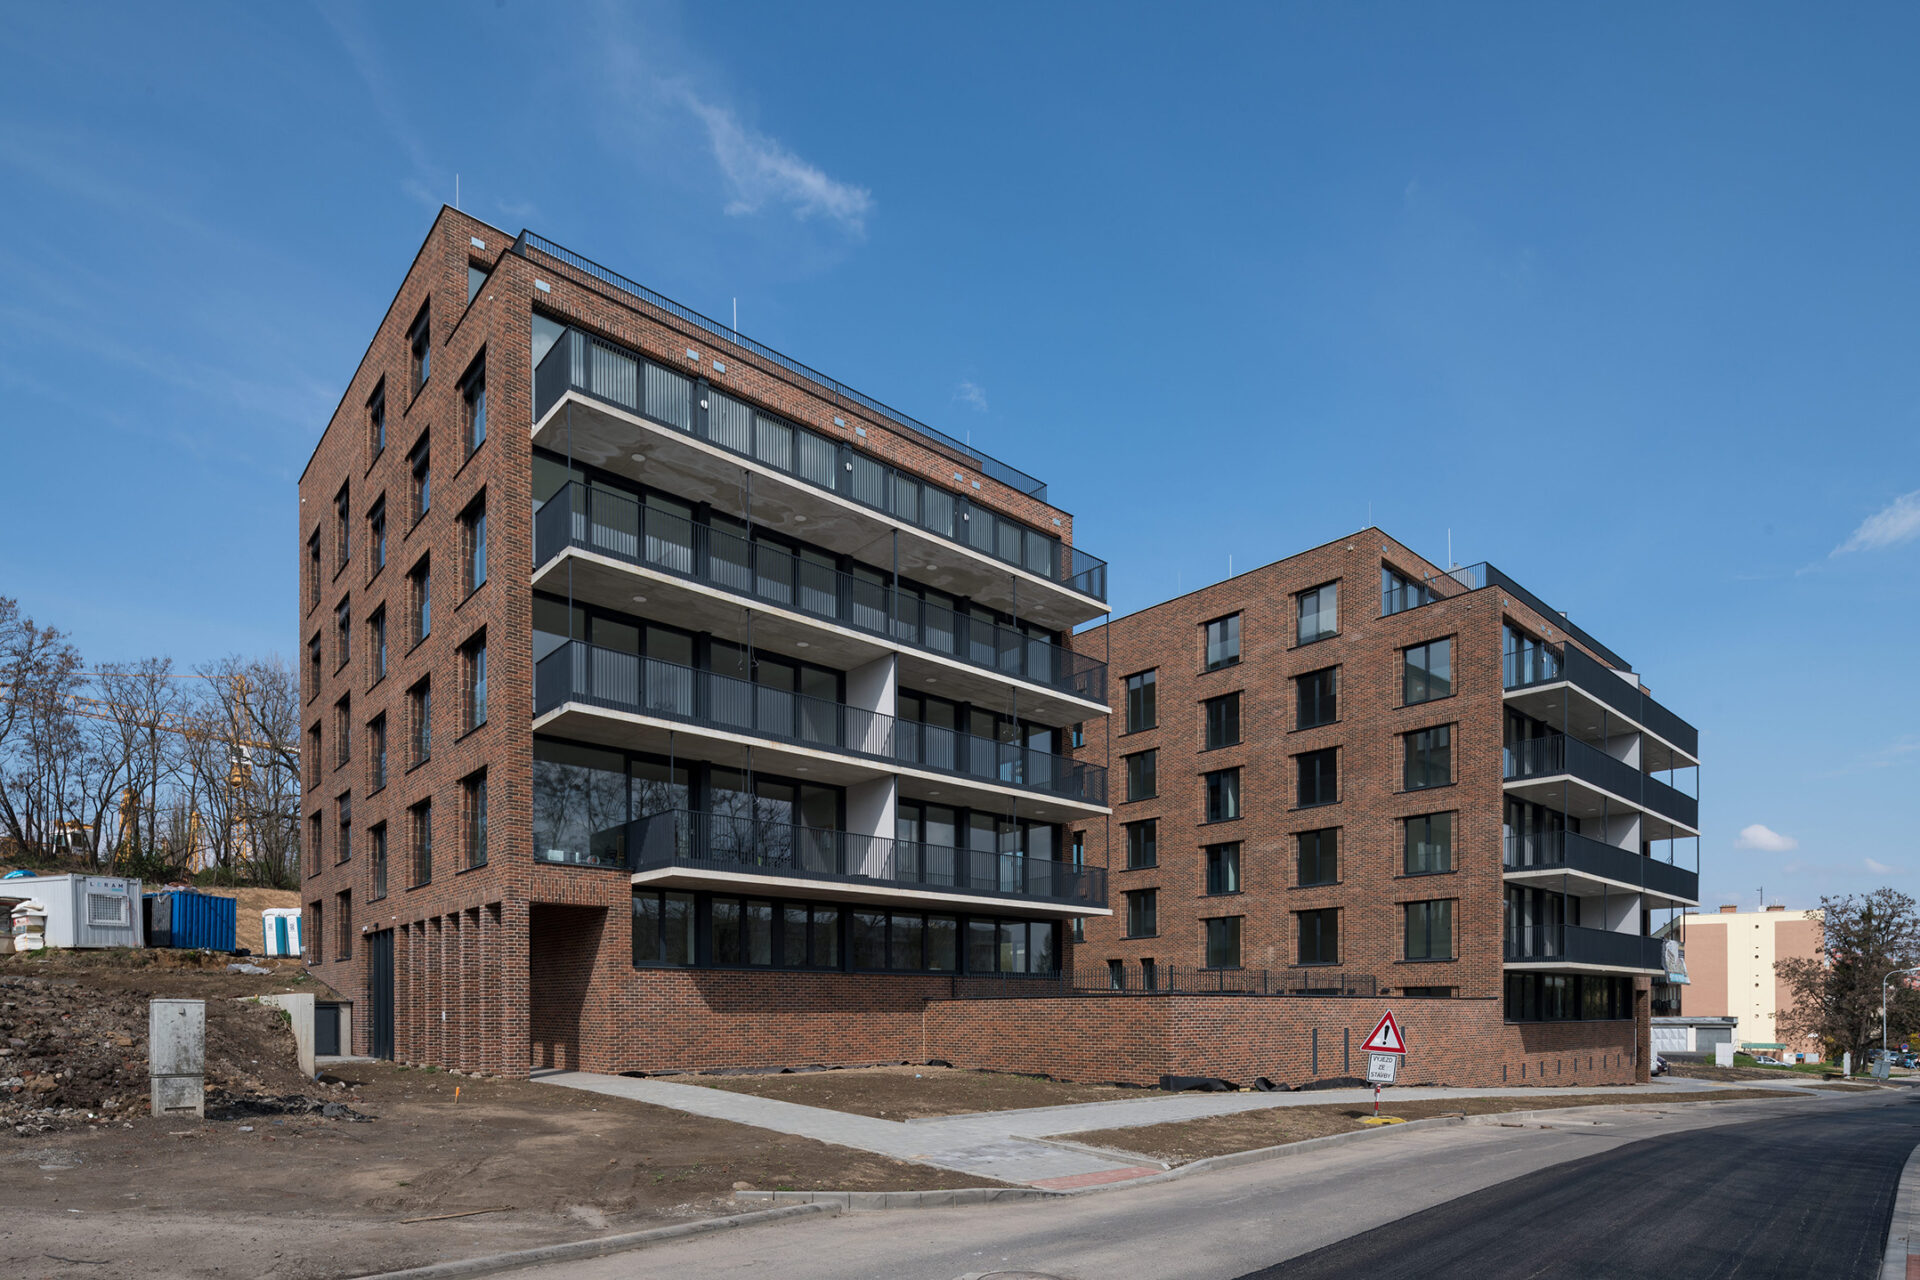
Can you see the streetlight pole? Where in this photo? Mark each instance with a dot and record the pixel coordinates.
(1883, 1009)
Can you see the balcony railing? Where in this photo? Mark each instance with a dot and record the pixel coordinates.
(718, 842)
(1571, 944)
(1474, 577)
(597, 676)
(604, 371)
(1559, 754)
(1172, 980)
(620, 527)
(1548, 664)
(1570, 851)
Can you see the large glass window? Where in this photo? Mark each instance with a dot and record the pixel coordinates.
(1429, 844)
(579, 804)
(1223, 868)
(1319, 936)
(1319, 613)
(663, 932)
(1143, 780)
(1563, 997)
(1223, 795)
(1430, 930)
(1317, 698)
(1143, 844)
(1318, 856)
(1223, 642)
(1143, 913)
(1223, 943)
(1142, 712)
(1526, 659)
(1428, 673)
(1319, 773)
(1399, 593)
(1429, 757)
(1223, 721)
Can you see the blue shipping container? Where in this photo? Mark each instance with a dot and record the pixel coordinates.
(191, 920)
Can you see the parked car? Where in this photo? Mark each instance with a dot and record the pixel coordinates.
(1766, 1060)
(1660, 1065)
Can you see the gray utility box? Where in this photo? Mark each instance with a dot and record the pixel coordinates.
(177, 1056)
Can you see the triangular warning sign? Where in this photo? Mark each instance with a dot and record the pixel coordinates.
(1386, 1037)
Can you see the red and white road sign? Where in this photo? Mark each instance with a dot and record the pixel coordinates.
(1386, 1037)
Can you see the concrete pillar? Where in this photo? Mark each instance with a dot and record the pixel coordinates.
(515, 993)
(874, 687)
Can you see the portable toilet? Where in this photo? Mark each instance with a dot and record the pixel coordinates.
(280, 928)
(82, 911)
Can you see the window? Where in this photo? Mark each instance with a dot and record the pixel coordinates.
(1223, 943)
(473, 797)
(1398, 593)
(476, 281)
(1142, 713)
(1428, 673)
(313, 569)
(1429, 757)
(473, 405)
(1143, 915)
(1317, 695)
(1319, 933)
(1142, 775)
(473, 671)
(109, 910)
(1430, 930)
(1149, 974)
(1429, 844)
(377, 421)
(377, 859)
(343, 925)
(1223, 642)
(377, 537)
(1319, 777)
(1223, 868)
(420, 818)
(1077, 736)
(1565, 997)
(1143, 844)
(1223, 795)
(809, 936)
(1319, 611)
(313, 761)
(422, 464)
(1117, 975)
(1525, 660)
(420, 723)
(1318, 856)
(473, 538)
(377, 645)
(377, 753)
(316, 829)
(312, 937)
(1223, 721)
(420, 601)
(342, 529)
(1428, 993)
(1077, 849)
(342, 732)
(342, 634)
(313, 665)
(420, 347)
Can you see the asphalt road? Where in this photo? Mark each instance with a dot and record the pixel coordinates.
(1674, 1191)
(1793, 1197)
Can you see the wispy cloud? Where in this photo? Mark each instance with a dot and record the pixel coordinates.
(971, 394)
(760, 171)
(1893, 524)
(384, 93)
(1878, 868)
(1765, 839)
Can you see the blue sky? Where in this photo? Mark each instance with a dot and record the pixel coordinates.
(1622, 298)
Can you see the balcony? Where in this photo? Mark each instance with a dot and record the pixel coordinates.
(831, 741)
(610, 524)
(809, 485)
(1565, 946)
(1533, 678)
(1555, 854)
(1535, 768)
(681, 849)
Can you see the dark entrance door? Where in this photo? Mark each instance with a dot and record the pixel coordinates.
(380, 993)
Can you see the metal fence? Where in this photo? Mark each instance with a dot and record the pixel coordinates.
(1132, 979)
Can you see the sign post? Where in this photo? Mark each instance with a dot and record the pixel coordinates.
(1385, 1048)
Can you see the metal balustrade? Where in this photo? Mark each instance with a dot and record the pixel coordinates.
(1572, 944)
(1570, 851)
(1557, 754)
(1548, 664)
(623, 528)
(594, 675)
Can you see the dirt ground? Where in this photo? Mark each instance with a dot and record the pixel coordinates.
(906, 1093)
(1189, 1140)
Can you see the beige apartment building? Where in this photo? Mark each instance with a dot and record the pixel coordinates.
(1730, 966)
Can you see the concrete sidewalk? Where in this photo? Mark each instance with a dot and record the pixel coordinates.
(1002, 1144)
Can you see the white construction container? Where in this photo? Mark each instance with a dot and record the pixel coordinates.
(280, 927)
(82, 911)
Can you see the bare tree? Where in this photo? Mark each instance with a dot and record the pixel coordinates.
(40, 741)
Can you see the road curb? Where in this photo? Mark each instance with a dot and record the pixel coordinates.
(1903, 1230)
(599, 1246)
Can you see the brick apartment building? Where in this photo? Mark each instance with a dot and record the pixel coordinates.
(668, 703)
(1351, 771)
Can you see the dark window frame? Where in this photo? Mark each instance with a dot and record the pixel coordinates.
(1314, 921)
(1316, 853)
(1221, 799)
(1409, 841)
(1420, 751)
(1324, 780)
(1142, 844)
(1223, 869)
(1418, 685)
(1317, 595)
(1220, 721)
(1146, 772)
(1216, 946)
(1143, 702)
(1143, 905)
(1229, 639)
(1316, 698)
(1425, 912)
